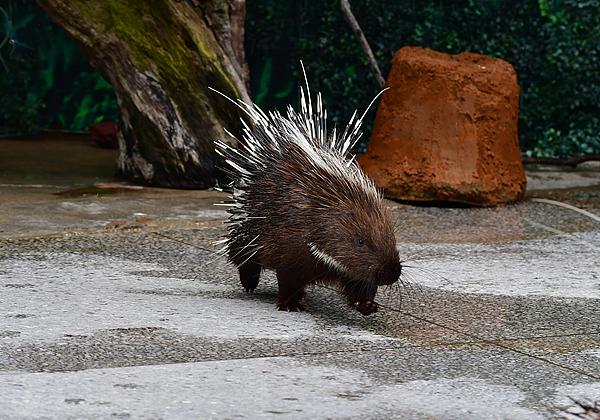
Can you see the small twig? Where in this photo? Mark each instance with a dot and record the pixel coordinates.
(8, 30)
(591, 410)
(363, 42)
(573, 162)
(7, 36)
(237, 16)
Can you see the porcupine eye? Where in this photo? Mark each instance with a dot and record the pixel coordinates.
(360, 242)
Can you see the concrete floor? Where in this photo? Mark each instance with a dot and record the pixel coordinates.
(113, 305)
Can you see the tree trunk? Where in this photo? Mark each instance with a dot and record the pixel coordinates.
(161, 56)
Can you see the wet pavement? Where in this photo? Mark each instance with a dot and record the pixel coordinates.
(113, 304)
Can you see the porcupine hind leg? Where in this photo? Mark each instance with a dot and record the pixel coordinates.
(250, 275)
(291, 290)
(243, 255)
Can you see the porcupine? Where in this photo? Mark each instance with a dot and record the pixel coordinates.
(304, 209)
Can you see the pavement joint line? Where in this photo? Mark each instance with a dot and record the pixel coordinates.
(503, 346)
(540, 337)
(567, 206)
(212, 360)
(535, 337)
(561, 232)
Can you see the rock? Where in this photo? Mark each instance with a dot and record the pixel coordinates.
(447, 130)
(142, 218)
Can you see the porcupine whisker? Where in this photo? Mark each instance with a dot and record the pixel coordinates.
(423, 256)
(405, 297)
(405, 281)
(362, 287)
(417, 255)
(424, 269)
(389, 291)
(402, 285)
(413, 277)
(400, 293)
(412, 285)
(389, 296)
(430, 272)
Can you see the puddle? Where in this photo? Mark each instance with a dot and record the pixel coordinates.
(95, 191)
(55, 159)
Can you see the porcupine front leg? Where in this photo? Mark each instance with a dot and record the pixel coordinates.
(361, 296)
(291, 290)
(250, 275)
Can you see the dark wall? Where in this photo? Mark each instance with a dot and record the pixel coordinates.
(45, 80)
(554, 46)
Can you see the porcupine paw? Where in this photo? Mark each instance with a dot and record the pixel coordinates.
(367, 307)
(249, 276)
(294, 306)
(249, 283)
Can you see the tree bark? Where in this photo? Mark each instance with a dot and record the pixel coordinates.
(161, 56)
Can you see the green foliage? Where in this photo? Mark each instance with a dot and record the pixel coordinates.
(47, 81)
(554, 46)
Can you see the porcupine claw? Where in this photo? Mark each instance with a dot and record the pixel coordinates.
(291, 307)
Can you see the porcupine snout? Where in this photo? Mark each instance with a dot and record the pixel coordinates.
(389, 273)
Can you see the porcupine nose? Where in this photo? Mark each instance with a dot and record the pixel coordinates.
(390, 273)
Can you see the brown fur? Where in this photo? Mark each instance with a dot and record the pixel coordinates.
(295, 204)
